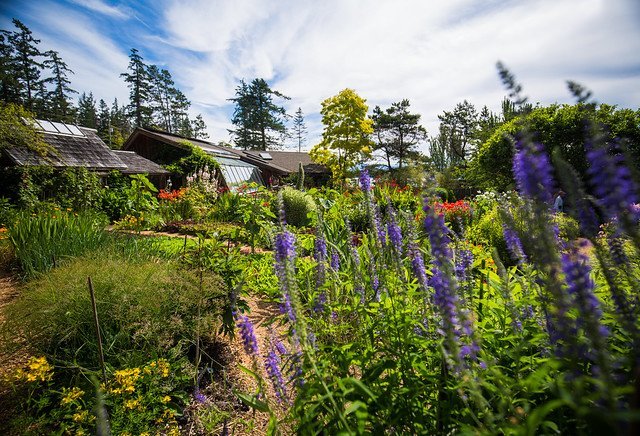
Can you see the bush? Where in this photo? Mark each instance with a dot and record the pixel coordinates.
(298, 207)
(146, 309)
(43, 239)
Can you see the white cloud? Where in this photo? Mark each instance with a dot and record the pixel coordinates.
(103, 8)
(434, 53)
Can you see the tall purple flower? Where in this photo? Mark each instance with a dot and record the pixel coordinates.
(393, 230)
(285, 246)
(320, 255)
(514, 245)
(246, 333)
(532, 171)
(417, 263)
(365, 180)
(272, 366)
(438, 236)
(335, 260)
(612, 181)
(464, 261)
(576, 268)
(378, 227)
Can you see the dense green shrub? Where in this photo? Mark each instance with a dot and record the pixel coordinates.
(7, 211)
(298, 207)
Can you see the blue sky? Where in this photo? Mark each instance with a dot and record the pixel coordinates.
(435, 53)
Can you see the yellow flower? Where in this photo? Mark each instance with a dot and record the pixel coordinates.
(38, 369)
(131, 404)
(163, 367)
(80, 416)
(70, 395)
(166, 399)
(69, 209)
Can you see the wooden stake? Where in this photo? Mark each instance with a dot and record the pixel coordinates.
(95, 319)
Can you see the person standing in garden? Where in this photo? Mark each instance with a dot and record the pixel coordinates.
(558, 205)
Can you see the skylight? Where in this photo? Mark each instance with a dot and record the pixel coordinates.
(59, 128)
(265, 156)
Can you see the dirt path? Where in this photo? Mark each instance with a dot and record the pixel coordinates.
(9, 361)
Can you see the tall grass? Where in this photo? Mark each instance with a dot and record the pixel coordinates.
(42, 240)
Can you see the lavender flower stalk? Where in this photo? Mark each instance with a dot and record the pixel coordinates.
(532, 171)
(247, 334)
(272, 366)
(514, 245)
(393, 230)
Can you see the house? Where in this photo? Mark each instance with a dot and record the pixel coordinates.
(237, 167)
(75, 146)
(165, 148)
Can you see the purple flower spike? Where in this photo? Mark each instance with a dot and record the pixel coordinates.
(247, 335)
(612, 182)
(272, 366)
(532, 171)
(438, 236)
(393, 229)
(417, 262)
(514, 245)
(365, 180)
(285, 246)
(464, 262)
(335, 260)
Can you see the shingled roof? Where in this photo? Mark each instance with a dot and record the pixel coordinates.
(137, 164)
(286, 161)
(80, 147)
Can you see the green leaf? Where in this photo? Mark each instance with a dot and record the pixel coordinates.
(252, 401)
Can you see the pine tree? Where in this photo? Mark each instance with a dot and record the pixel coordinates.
(9, 85)
(137, 79)
(61, 108)
(259, 121)
(299, 128)
(199, 128)
(397, 132)
(27, 69)
(104, 122)
(87, 114)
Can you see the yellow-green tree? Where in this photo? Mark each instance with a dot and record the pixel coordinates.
(346, 137)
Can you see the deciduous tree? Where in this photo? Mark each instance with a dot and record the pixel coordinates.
(346, 136)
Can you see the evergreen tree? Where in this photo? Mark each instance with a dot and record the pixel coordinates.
(259, 121)
(61, 108)
(179, 115)
(199, 128)
(397, 132)
(104, 122)
(27, 68)
(120, 126)
(9, 85)
(161, 91)
(87, 114)
(137, 79)
(299, 128)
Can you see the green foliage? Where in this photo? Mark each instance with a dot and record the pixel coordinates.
(299, 207)
(258, 120)
(345, 138)
(15, 132)
(7, 211)
(197, 163)
(140, 196)
(41, 241)
(556, 126)
(397, 132)
(146, 308)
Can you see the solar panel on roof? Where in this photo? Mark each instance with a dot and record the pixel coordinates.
(265, 156)
(47, 126)
(74, 130)
(62, 128)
